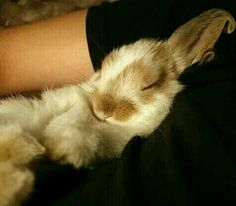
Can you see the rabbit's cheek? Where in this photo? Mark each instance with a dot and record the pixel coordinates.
(148, 96)
(124, 110)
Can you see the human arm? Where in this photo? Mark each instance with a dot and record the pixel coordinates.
(47, 53)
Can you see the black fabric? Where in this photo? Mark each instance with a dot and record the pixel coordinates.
(190, 159)
(112, 25)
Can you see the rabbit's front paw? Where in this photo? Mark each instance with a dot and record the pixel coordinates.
(15, 184)
(19, 149)
(66, 152)
(75, 149)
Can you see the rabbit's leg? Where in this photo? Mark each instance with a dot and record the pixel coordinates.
(15, 184)
(17, 146)
(68, 142)
(71, 146)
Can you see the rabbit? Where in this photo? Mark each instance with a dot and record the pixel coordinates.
(129, 96)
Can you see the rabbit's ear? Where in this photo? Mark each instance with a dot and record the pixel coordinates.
(193, 42)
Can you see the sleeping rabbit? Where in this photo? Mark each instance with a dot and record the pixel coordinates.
(129, 96)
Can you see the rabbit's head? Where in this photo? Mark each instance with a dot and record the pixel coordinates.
(137, 83)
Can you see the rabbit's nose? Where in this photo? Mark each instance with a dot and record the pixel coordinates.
(101, 116)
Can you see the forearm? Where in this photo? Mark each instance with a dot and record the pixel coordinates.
(44, 54)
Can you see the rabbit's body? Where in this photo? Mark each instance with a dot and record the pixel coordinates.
(61, 120)
(130, 95)
(65, 122)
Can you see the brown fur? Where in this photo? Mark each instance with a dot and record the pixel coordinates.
(120, 109)
(14, 149)
(15, 184)
(124, 110)
(192, 42)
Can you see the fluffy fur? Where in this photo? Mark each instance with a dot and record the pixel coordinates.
(130, 95)
(15, 184)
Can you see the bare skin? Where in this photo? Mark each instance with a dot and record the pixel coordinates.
(44, 54)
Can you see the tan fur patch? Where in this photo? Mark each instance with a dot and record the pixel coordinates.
(120, 109)
(133, 74)
(5, 149)
(14, 149)
(4, 154)
(137, 76)
(149, 94)
(124, 110)
(15, 184)
(106, 104)
(164, 56)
